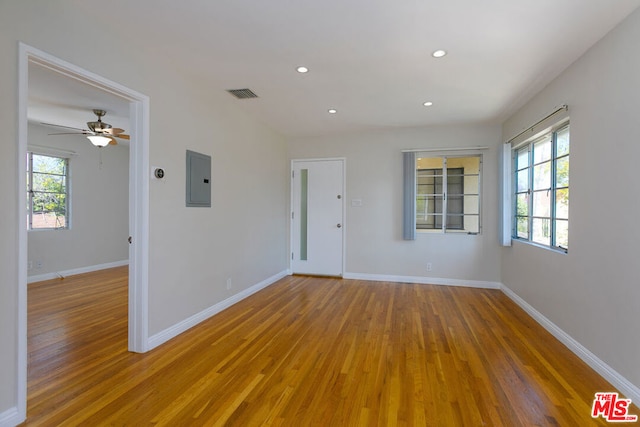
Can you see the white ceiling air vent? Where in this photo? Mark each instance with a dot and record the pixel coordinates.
(242, 93)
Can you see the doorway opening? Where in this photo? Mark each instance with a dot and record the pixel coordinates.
(138, 201)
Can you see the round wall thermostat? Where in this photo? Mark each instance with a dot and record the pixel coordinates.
(159, 173)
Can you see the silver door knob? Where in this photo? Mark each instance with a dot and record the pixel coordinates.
(339, 225)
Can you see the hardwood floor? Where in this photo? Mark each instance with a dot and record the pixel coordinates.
(305, 351)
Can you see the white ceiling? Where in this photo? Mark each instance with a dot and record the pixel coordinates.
(60, 100)
(369, 59)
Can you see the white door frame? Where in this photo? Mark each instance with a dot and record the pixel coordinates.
(138, 203)
(344, 207)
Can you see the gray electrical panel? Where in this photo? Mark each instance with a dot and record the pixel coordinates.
(198, 180)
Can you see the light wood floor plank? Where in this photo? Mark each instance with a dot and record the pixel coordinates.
(306, 351)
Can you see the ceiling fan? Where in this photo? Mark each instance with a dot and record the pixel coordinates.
(99, 133)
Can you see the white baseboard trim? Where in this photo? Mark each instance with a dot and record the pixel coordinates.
(423, 280)
(81, 270)
(180, 327)
(628, 389)
(11, 417)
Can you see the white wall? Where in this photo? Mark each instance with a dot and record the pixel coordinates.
(243, 236)
(99, 194)
(374, 231)
(593, 292)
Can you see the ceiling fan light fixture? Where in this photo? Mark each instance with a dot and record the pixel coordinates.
(98, 126)
(99, 140)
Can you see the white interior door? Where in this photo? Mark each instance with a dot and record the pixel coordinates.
(317, 225)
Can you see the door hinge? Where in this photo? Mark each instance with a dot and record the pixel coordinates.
(292, 215)
(291, 256)
(293, 174)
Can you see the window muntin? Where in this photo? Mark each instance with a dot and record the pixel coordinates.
(448, 193)
(541, 185)
(47, 192)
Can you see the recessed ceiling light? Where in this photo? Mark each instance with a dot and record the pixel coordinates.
(439, 53)
(332, 111)
(302, 69)
(427, 104)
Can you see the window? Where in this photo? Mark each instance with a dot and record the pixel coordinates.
(541, 186)
(448, 193)
(47, 192)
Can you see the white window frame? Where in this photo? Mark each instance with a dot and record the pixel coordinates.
(529, 144)
(30, 191)
(444, 194)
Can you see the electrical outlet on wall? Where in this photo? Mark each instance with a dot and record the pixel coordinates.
(229, 283)
(429, 266)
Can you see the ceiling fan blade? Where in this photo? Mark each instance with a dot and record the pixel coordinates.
(72, 133)
(113, 142)
(123, 136)
(113, 131)
(60, 126)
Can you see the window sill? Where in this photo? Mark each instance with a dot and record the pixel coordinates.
(538, 245)
(463, 233)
